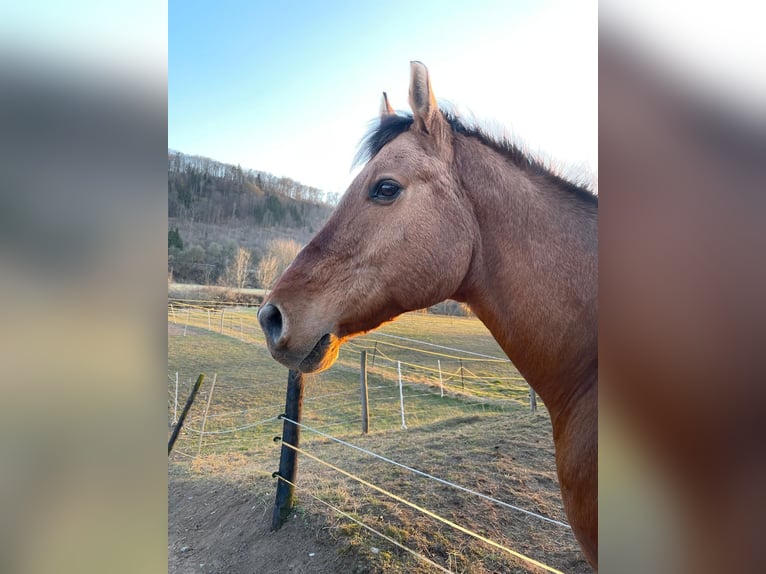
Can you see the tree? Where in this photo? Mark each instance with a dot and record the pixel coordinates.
(267, 271)
(174, 239)
(239, 269)
(279, 254)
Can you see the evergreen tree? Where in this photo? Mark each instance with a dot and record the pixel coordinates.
(174, 239)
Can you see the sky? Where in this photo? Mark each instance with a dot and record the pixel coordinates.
(291, 87)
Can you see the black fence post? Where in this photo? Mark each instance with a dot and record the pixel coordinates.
(288, 460)
(182, 418)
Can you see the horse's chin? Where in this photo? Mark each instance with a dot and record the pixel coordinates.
(322, 356)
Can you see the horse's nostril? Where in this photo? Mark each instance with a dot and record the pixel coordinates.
(270, 319)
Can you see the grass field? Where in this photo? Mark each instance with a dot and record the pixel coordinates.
(480, 434)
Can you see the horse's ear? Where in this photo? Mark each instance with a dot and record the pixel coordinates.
(422, 99)
(385, 106)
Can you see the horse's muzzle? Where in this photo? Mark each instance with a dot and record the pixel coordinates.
(307, 360)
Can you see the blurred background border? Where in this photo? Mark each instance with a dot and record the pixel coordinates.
(83, 223)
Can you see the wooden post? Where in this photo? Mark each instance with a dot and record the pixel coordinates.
(441, 381)
(462, 382)
(374, 352)
(209, 326)
(363, 381)
(401, 393)
(188, 314)
(187, 406)
(533, 399)
(223, 310)
(288, 460)
(204, 416)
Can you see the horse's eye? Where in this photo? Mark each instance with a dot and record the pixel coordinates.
(385, 191)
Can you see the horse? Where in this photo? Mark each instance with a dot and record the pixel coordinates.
(442, 209)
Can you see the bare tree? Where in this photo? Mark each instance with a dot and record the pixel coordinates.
(267, 271)
(279, 254)
(238, 270)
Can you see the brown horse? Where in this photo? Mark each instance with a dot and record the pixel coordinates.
(442, 210)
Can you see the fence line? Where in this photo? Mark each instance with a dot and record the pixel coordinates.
(499, 359)
(481, 358)
(445, 377)
(182, 453)
(228, 431)
(179, 301)
(351, 422)
(501, 394)
(426, 475)
(278, 406)
(425, 511)
(470, 377)
(415, 374)
(371, 529)
(398, 397)
(411, 394)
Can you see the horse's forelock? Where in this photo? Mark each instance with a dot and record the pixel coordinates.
(383, 131)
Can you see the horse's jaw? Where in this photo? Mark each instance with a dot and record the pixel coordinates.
(322, 356)
(319, 358)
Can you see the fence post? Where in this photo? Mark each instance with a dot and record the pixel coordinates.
(462, 382)
(441, 381)
(204, 416)
(288, 460)
(175, 403)
(223, 310)
(363, 381)
(374, 352)
(187, 406)
(532, 399)
(188, 314)
(209, 326)
(401, 393)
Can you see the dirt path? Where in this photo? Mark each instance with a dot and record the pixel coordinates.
(216, 527)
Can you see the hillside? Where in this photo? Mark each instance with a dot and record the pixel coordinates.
(217, 209)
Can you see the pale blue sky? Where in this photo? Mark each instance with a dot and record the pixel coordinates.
(289, 87)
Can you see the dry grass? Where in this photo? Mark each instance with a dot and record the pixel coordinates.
(492, 444)
(505, 456)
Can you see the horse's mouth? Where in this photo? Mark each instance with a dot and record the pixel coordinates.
(322, 356)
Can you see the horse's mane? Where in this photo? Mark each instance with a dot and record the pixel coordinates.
(392, 125)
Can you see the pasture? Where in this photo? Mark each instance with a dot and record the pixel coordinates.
(480, 434)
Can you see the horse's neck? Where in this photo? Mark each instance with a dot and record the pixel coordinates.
(533, 277)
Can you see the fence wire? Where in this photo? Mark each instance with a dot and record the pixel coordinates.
(371, 529)
(425, 511)
(487, 385)
(426, 475)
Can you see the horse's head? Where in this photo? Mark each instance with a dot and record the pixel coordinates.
(400, 239)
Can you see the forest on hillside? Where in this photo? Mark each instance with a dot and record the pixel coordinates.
(235, 227)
